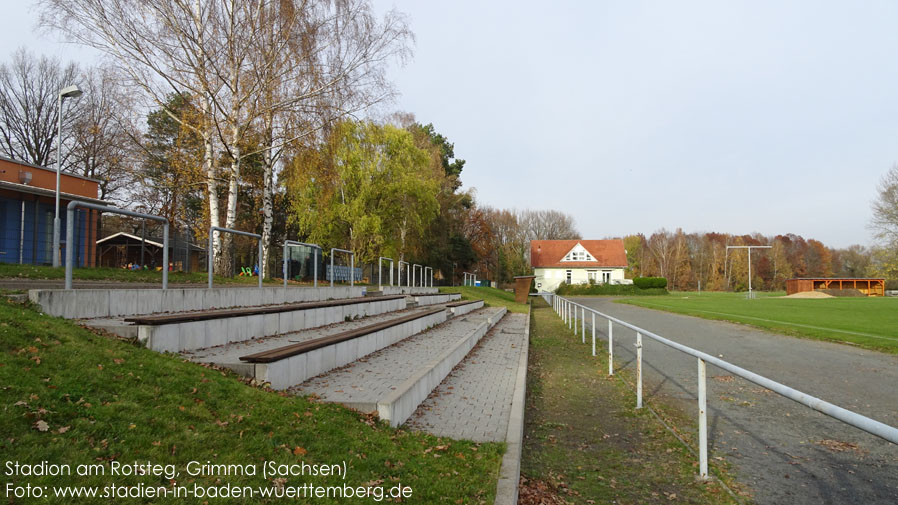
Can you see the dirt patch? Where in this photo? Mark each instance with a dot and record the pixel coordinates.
(809, 294)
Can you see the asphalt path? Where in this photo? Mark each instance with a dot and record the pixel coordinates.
(781, 451)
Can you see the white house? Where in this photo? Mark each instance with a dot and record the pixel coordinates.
(577, 262)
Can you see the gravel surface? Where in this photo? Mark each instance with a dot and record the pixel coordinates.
(782, 451)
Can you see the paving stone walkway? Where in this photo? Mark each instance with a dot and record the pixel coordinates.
(474, 401)
(362, 383)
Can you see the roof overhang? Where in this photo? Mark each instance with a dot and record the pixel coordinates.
(33, 190)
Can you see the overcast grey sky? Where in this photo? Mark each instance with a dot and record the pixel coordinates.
(733, 116)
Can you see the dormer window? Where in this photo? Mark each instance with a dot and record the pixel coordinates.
(578, 253)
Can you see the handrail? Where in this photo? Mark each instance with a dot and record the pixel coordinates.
(315, 248)
(380, 261)
(424, 274)
(211, 254)
(414, 268)
(407, 274)
(567, 309)
(351, 265)
(70, 235)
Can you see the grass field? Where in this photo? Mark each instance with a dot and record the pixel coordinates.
(71, 396)
(871, 323)
(492, 297)
(13, 271)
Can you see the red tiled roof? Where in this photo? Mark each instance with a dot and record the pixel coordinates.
(549, 253)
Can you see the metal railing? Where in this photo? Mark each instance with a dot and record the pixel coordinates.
(351, 265)
(315, 248)
(70, 236)
(415, 268)
(407, 274)
(380, 261)
(469, 279)
(211, 253)
(568, 309)
(424, 276)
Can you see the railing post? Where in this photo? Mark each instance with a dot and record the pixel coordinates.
(583, 325)
(593, 333)
(211, 254)
(261, 266)
(610, 348)
(315, 268)
(702, 421)
(351, 271)
(164, 255)
(574, 310)
(638, 370)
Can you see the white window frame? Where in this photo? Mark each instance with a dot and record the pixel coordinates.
(592, 275)
(568, 276)
(606, 276)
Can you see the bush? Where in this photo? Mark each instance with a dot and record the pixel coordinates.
(607, 290)
(650, 282)
(892, 284)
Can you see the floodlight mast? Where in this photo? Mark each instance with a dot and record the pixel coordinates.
(749, 247)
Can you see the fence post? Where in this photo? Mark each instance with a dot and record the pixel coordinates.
(702, 421)
(593, 333)
(610, 348)
(583, 326)
(638, 370)
(574, 309)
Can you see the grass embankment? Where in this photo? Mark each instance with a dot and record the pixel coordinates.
(584, 437)
(491, 297)
(871, 323)
(11, 271)
(71, 396)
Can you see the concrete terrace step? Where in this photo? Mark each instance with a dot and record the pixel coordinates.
(463, 307)
(189, 331)
(435, 298)
(291, 359)
(97, 303)
(474, 401)
(395, 380)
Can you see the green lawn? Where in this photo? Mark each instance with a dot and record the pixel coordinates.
(14, 271)
(491, 297)
(871, 323)
(70, 396)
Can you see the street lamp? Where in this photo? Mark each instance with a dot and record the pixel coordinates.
(73, 92)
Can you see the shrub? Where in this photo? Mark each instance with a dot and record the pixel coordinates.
(892, 284)
(607, 290)
(650, 282)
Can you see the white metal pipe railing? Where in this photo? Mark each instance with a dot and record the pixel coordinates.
(399, 273)
(211, 254)
(315, 248)
(424, 277)
(351, 265)
(70, 235)
(859, 421)
(380, 264)
(415, 268)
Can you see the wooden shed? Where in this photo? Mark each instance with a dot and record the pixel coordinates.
(870, 287)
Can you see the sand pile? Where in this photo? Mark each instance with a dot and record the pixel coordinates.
(810, 294)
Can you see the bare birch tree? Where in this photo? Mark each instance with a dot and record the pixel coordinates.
(249, 61)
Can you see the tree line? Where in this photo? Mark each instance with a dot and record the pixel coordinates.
(693, 260)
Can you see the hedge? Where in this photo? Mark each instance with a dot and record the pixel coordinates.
(650, 282)
(607, 290)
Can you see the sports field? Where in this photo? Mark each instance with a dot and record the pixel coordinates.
(871, 323)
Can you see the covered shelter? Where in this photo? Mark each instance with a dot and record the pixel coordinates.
(121, 249)
(869, 287)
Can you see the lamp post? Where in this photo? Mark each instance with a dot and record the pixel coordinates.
(67, 92)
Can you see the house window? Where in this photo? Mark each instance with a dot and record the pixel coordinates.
(606, 276)
(578, 256)
(592, 276)
(567, 274)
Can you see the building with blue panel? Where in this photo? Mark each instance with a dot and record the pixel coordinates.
(27, 208)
